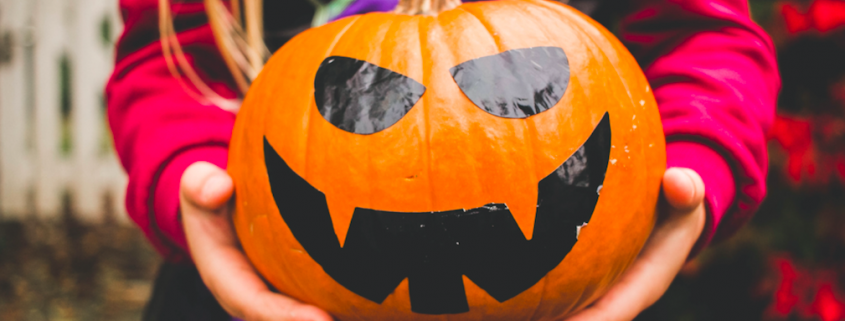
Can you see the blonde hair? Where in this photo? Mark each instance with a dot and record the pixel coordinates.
(238, 32)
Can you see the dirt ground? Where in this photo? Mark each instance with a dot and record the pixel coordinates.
(64, 270)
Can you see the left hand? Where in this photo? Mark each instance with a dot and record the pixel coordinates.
(205, 203)
(681, 219)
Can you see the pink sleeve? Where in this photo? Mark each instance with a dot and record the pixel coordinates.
(158, 128)
(715, 78)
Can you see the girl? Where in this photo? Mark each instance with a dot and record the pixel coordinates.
(711, 68)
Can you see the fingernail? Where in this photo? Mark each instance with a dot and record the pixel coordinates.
(211, 187)
(678, 192)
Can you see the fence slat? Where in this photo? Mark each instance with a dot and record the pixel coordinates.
(53, 137)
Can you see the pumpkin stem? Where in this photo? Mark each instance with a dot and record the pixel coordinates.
(425, 7)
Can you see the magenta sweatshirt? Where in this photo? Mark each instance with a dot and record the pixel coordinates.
(712, 69)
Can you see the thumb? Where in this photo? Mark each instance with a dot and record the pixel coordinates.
(206, 186)
(683, 188)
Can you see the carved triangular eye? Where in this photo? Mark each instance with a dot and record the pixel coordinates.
(362, 98)
(516, 83)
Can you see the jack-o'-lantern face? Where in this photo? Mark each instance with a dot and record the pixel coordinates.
(401, 167)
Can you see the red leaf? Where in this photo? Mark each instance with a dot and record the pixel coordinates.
(826, 306)
(827, 14)
(795, 21)
(785, 298)
(822, 15)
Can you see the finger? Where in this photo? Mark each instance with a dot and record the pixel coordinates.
(215, 249)
(650, 275)
(276, 307)
(232, 279)
(205, 190)
(661, 258)
(229, 275)
(682, 188)
(207, 186)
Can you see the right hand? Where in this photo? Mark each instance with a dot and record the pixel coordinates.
(205, 194)
(681, 219)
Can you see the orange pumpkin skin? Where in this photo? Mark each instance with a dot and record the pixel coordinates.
(446, 153)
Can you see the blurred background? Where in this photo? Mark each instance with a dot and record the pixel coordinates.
(68, 251)
(67, 248)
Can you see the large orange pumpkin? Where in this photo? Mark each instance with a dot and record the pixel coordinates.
(500, 160)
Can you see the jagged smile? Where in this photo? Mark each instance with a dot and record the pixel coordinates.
(434, 249)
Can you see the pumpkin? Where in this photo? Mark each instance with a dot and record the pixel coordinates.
(495, 160)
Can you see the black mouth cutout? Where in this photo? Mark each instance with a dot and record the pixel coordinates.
(361, 98)
(434, 249)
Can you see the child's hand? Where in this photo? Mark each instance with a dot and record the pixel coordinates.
(681, 219)
(205, 193)
(206, 190)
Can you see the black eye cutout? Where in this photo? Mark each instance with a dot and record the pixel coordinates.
(362, 98)
(516, 83)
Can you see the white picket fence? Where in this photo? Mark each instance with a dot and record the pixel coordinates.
(55, 147)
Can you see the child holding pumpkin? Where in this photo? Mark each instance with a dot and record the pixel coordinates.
(712, 71)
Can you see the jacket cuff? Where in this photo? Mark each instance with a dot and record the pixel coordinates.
(166, 203)
(719, 186)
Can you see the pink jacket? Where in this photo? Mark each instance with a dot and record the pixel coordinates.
(712, 69)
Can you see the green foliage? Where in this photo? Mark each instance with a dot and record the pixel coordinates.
(106, 31)
(66, 104)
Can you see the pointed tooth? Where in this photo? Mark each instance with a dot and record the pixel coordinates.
(341, 213)
(524, 211)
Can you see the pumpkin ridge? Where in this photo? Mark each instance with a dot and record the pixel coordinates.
(313, 103)
(379, 37)
(595, 49)
(339, 35)
(487, 27)
(377, 56)
(600, 56)
(619, 79)
(391, 34)
(532, 17)
(611, 63)
(425, 52)
(285, 56)
(545, 281)
(454, 62)
(531, 130)
(412, 64)
(579, 300)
